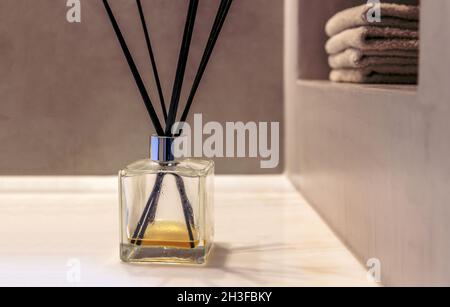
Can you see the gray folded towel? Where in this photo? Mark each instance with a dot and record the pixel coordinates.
(392, 15)
(374, 38)
(354, 58)
(377, 74)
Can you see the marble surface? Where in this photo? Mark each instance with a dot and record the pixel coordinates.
(63, 231)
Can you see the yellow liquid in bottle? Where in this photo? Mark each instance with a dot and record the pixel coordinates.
(169, 234)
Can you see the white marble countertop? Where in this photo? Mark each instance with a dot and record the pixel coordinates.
(63, 231)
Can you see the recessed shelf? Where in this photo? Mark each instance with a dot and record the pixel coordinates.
(360, 88)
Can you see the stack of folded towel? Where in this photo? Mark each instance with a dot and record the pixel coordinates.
(361, 51)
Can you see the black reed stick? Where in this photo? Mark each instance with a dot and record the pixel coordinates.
(187, 208)
(134, 71)
(152, 59)
(215, 32)
(181, 68)
(184, 198)
(149, 212)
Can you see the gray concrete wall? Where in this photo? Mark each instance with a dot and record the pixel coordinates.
(375, 160)
(68, 104)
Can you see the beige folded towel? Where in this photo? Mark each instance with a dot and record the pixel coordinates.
(377, 74)
(392, 15)
(354, 58)
(373, 38)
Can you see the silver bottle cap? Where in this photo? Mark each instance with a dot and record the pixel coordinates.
(162, 149)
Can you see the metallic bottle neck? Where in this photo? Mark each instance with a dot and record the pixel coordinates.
(162, 149)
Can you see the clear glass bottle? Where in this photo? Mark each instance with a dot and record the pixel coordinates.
(166, 208)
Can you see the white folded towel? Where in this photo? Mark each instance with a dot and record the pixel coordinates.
(376, 74)
(361, 51)
(374, 39)
(392, 15)
(354, 58)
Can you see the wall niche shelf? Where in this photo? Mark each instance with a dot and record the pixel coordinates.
(382, 89)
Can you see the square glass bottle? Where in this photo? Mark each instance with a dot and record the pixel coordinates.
(166, 208)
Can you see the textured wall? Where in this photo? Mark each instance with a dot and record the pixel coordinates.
(68, 104)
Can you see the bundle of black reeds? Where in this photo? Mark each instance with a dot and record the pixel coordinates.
(170, 116)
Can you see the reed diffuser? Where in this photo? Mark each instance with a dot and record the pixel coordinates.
(166, 204)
